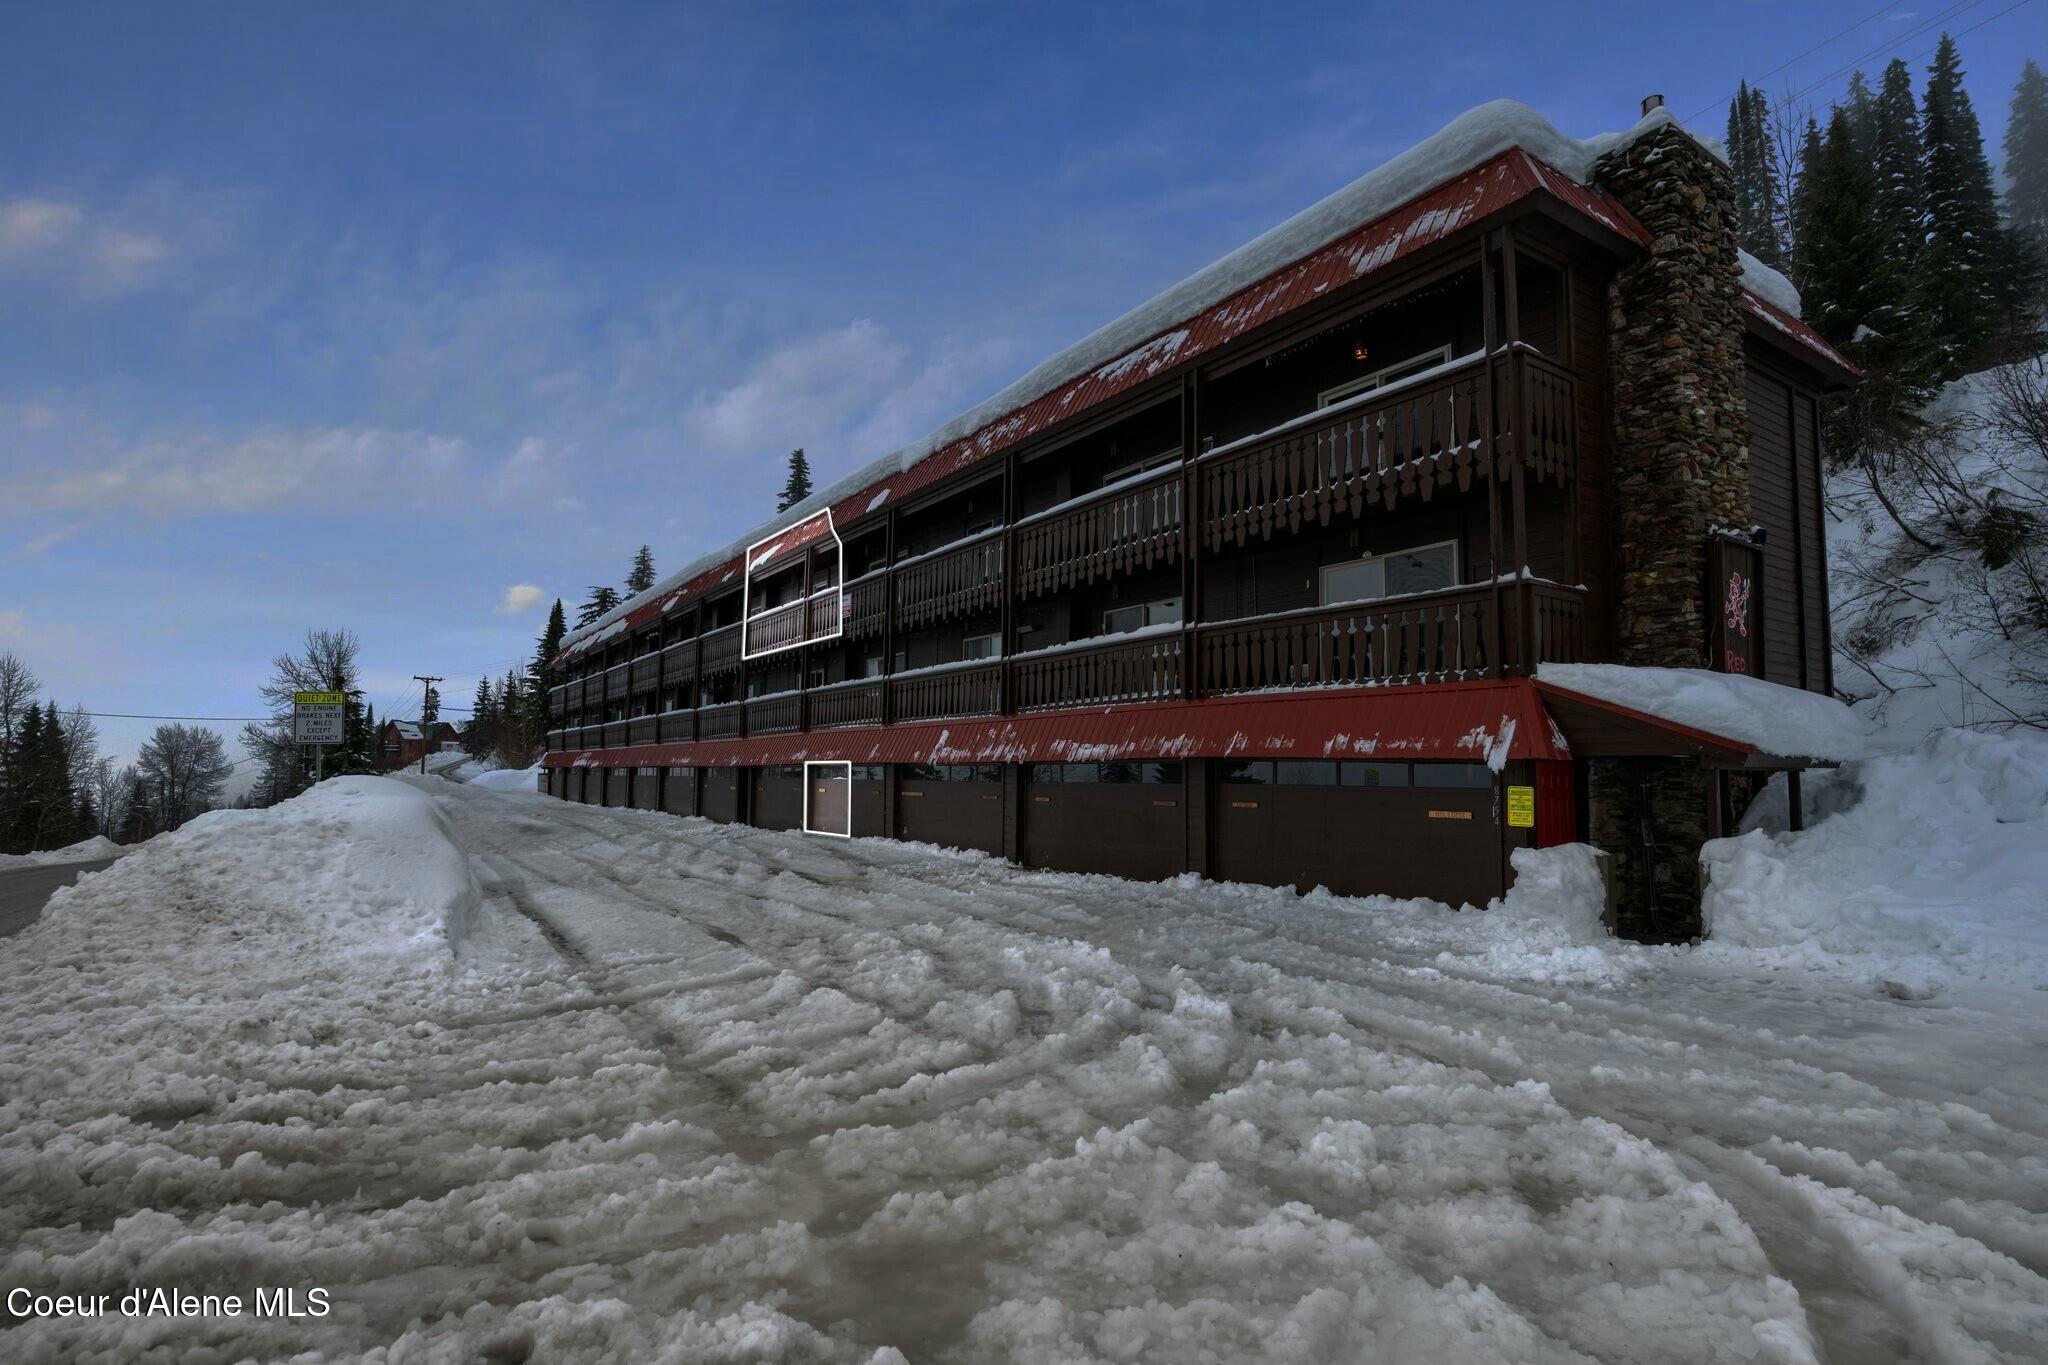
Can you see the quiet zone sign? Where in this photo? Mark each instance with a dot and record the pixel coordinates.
(317, 717)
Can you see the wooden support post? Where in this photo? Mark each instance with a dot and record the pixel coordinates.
(1190, 537)
(889, 646)
(1795, 808)
(1525, 615)
(1490, 428)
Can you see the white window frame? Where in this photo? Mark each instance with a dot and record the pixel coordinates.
(1386, 374)
(1323, 574)
(1146, 608)
(995, 646)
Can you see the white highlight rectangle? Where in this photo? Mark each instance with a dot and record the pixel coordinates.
(847, 764)
(802, 604)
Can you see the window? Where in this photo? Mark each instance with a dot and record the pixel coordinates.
(1081, 772)
(1421, 569)
(1045, 774)
(871, 667)
(1390, 374)
(1307, 773)
(987, 646)
(1163, 774)
(682, 774)
(1249, 771)
(1135, 467)
(1469, 776)
(1138, 615)
(1373, 774)
(650, 772)
(1119, 772)
(923, 772)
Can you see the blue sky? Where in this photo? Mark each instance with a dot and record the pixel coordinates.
(363, 316)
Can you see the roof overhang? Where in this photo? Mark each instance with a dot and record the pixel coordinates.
(1793, 338)
(1598, 728)
(1488, 722)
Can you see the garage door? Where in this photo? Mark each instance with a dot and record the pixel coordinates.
(778, 797)
(721, 793)
(952, 805)
(828, 806)
(647, 789)
(870, 799)
(1126, 819)
(1358, 828)
(616, 783)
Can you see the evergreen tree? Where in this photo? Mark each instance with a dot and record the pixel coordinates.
(474, 740)
(798, 486)
(1896, 157)
(1810, 158)
(1860, 104)
(603, 598)
(545, 649)
(2026, 173)
(642, 576)
(1965, 268)
(1759, 190)
(430, 710)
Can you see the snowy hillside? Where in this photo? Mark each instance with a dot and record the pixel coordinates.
(563, 1083)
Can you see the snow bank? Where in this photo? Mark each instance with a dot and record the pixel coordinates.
(507, 779)
(1472, 138)
(1769, 717)
(85, 851)
(1924, 868)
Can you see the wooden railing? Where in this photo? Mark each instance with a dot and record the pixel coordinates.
(868, 612)
(848, 703)
(721, 650)
(823, 618)
(1127, 529)
(616, 681)
(719, 722)
(1148, 669)
(679, 661)
(1550, 417)
(677, 725)
(776, 627)
(1429, 637)
(775, 715)
(643, 730)
(646, 673)
(947, 693)
(955, 583)
(1417, 438)
(1557, 624)
(617, 733)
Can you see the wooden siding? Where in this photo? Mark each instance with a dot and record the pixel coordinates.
(1784, 467)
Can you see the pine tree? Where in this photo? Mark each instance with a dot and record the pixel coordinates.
(642, 576)
(1860, 104)
(545, 649)
(1965, 268)
(1810, 158)
(603, 599)
(473, 742)
(2026, 174)
(1853, 284)
(1897, 154)
(1759, 191)
(430, 710)
(798, 486)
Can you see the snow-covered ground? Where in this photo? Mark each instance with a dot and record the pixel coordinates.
(513, 1079)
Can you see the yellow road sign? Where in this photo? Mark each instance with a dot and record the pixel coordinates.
(319, 698)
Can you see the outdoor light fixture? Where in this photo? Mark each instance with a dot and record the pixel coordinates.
(1359, 352)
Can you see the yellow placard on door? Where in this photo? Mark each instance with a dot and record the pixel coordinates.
(1521, 807)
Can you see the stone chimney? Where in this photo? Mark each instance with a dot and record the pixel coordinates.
(1681, 469)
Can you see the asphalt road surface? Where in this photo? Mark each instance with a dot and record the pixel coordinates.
(25, 891)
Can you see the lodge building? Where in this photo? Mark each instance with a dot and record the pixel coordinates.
(1264, 581)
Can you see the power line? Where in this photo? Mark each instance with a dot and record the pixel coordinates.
(1917, 31)
(1808, 53)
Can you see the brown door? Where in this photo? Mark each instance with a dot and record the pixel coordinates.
(647, 789)
(778, 796)
(830, 800)
(679, 792)
(617, 783)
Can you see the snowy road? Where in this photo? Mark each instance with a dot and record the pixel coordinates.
(737, 1095)
(24, 890)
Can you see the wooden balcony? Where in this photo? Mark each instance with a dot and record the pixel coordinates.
(776, 628)
(1429, 637)
(1124, 529)
(950, 583)
(1146, 669)
(721, 650)
(777, 715)
(848, 703)
(646, 674)
(617, 682)
(643, 730)
(677, 725)
(1550, 403)
(822, 620)
(944, 693)
(1416, 439)
(679, 662)
(617, 733)
(719, 722)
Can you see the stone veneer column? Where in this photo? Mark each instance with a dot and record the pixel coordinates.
(1681, 468)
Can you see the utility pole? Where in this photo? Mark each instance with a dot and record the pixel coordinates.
(426, 738)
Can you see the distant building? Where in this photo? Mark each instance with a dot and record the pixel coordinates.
(402, 742)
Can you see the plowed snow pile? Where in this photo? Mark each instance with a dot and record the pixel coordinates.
(676, 1091)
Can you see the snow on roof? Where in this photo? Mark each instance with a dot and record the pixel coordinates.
(1768, 717)
(1143, 339)
(1770, 285)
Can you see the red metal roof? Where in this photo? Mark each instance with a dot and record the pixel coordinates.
(1771, 315)
(1468, 721)
(1479, 193)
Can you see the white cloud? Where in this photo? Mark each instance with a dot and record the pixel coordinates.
(32, 225)
(520, 597)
